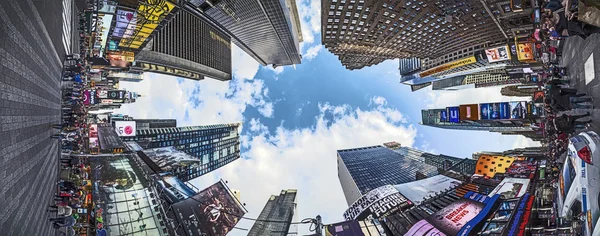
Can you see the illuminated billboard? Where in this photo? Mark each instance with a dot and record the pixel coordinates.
(511, 188)
(125, 128)
(469, 112)
(378, 202)
(495, 111)
(518, 110)
(449, 66)
(150, 14)
(453, 114)
(497, 54)
(525, 52)
(488, 165)
(125, 20)
(444, 116)
(417, 191)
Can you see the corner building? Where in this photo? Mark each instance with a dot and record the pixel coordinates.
(364, 33)
(363, 169)
(214, 145)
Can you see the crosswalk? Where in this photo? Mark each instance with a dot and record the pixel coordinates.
(67, 17)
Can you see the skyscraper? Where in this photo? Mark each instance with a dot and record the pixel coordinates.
(363, 169)
(268, 30)
(364, 33)
(214, 145)
(278, 208)
(187, 46)
(440, 161)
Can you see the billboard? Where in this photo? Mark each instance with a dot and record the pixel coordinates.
(93, 136)
(520, 217)
(488, 165)
(346, 228)
(525, 52)
(213, 211)
(495, 111)
(518, 110)
(453, 114)
(538, 97)
(125, 20)
(92, 97)
(444, 116)
(379, 201)
(149, 15)
(511, 188)
(103, 28)
(169, 159)
(522, 169)
(449, 66)
(469, 112)
(125, 128)
(458, 218)
(116, 94)
(417, 191)
(86, 97)
(497, 54)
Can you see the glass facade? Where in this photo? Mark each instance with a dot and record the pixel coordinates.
(375, 166)
(278, 208)
(214, 145)
(267, 29)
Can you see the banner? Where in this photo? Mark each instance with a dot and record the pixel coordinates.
(522, 169)
(380, 201)
(444, 116)
(498, 54)
(453, 114)
(469, 112)
(525, 52)
(449, 66)
(92, 97)
(346, 228)
(86, 97)
(518, 110)
(505, 111)
(125, 128)
(203, 213)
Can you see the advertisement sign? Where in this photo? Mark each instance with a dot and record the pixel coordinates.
(484, 109)
(505, 111)
(125, 20)
(92, 97)
(150, 15)
(207, 209)
(522, 169)
(469, 112)
(488, 165)
(416, 87)
(93, 136)
(511, 188)
(125, 128)
(104, 28)
(444, 116)
(346, 228)
(107, 6)
(107, 101)
(417, 191)
(520, 218)
(449, 66)
(169, 70)
(525, 52)
(518, 110)
(115, 94)
(453, 114)
(102, 94)
(538, 96)
(494, 111)
(121, 56)
(86, 97)
(361, 208)
(497, 54)
(169, 159)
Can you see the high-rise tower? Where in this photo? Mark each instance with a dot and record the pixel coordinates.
(280, 210)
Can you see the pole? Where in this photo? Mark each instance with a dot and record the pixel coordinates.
(319, 226)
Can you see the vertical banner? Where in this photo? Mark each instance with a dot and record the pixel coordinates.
(444, 116)
(469, 112)
(504, 110)
(485, 111)
(453, 114)
(86, 97)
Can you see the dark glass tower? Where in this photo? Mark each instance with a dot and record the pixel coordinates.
(361, 170)
(214, 145)
(268, 30)
(189, 47)
(278, 208)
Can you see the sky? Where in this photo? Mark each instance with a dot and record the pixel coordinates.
(295, 118)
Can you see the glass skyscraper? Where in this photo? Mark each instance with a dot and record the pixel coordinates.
(214, 145)
(361, 170)
(278, 208)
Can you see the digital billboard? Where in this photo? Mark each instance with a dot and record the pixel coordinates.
(169, 159)
(522, 169)
(377, 202)
(449, 66)
(125, 128)
(213, 211)
(518, 110)
(511, 188)
(520, 218)
(538, 96)
(149, 15)
(525, 52)
(444, 116)
(488, 165)
(346, 228)
(497, 54)
(125, 20)
(484, 109)
(417, 191)
(469, 112)
(453, 114)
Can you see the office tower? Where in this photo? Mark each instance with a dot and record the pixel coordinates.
(442, 162)
(281, 210)
(364, 33)
(155, 123)
(214, 145)
(189, 47)
(363, 169)
(267, 30)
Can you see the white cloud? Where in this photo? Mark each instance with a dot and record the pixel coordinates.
(312, 52)
(305, 159)
(442, 98)
(310, 19)
(277, 70)
(522, 141)
(244, 66)
(378, 100)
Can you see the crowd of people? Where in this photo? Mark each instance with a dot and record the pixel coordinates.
(560, 19)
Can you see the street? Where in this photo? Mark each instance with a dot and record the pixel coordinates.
(30, 72)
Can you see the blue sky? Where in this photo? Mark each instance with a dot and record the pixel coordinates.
(295, 118)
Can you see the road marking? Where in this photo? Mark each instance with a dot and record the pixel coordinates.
(590, 74)
(66, 30)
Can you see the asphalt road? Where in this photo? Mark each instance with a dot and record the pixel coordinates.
(31, 48)
(575, 54)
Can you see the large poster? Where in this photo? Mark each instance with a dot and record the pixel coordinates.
(498, 54)
(123, 22)
(504, 110)
(379, 201)
(518, 110)
(469, 112)
(212, 212)
(417, 191)
(453, 114)
(485, 111)
(525, 52)
(169, 159)
(511, 188)
(444, 116)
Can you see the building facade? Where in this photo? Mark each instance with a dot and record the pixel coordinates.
(363, 169)
(364, 33)
(441, 162)
(214, 145)
(280, 209)
(267, 30)
(189, 47)
(154, 123)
